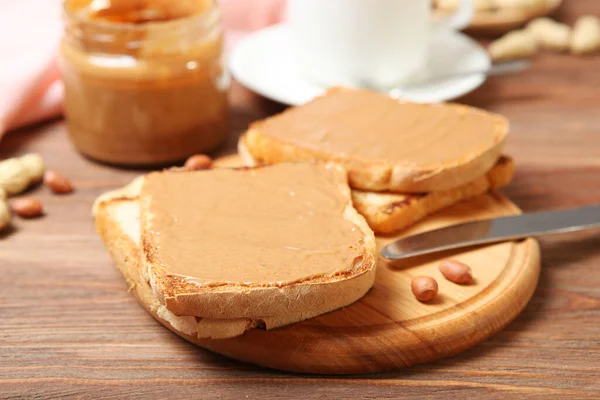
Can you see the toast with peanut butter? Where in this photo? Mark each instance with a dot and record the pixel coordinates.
(385, 144)
(214, 253)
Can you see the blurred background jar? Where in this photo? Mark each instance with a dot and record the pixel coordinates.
(145, 82)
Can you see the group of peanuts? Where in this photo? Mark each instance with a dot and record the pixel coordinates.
(18, 174)
(425, 288)
(582, 39)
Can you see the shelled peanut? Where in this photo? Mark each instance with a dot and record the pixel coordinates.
(198, 162)
(456, 271)
(27, 207)
(424, 288)
(57, 183)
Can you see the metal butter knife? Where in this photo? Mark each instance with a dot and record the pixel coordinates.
(494, 230)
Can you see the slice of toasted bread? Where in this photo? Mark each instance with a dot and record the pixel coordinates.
(445, 146)
(390, 212)
(230, 309)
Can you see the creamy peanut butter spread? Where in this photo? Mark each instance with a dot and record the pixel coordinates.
(371, 126)
(268, 226)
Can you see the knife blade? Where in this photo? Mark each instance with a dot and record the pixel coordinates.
(494, 230)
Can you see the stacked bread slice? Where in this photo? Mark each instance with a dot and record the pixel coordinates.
(387, 213)
(214, 253)
(404, 160)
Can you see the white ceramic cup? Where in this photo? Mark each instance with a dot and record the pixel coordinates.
(365, 43)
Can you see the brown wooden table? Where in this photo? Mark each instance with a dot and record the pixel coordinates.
(68, 327)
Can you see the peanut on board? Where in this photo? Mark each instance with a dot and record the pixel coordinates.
(455, 271)
(513, 45)
(586, 35)
(424, 288)
(5, 215)
(550, 34)
(17, 174)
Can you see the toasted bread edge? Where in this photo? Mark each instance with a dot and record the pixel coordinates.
(382, 175)
(401, 211)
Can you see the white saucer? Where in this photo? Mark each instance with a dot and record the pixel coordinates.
(263, 62)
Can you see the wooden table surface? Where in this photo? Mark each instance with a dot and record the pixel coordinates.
(68, 327)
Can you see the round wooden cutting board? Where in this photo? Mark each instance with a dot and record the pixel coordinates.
(388, 328)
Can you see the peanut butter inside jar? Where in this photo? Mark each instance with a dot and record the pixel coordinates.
(144, 79)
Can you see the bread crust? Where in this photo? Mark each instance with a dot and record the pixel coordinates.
(384, 175)
(227, 310)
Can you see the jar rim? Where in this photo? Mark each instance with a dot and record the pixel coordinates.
(200, 18)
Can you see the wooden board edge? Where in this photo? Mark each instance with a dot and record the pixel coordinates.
(242, 348)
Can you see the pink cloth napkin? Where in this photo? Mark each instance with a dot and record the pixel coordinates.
(30, 89)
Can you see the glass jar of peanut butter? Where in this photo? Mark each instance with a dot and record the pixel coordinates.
(145, 82)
